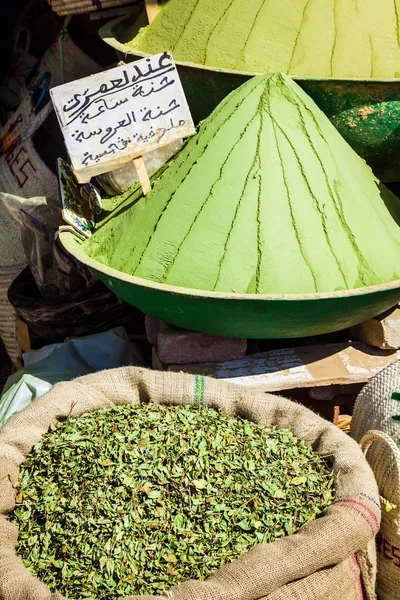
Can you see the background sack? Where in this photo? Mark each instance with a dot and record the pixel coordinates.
(323, 560)
(66, 7)
(12, 261)
(373, 425)
(375, 406)
(58, 275)
(384, 457)
(22, 170)
(32, 139)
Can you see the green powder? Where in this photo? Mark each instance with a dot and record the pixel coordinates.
(313, 38)
(266, 198)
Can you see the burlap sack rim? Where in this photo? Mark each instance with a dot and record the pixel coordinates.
(383, 455)
(98, 390)
(374, 406)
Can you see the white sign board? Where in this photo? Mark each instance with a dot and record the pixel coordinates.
(112, 117)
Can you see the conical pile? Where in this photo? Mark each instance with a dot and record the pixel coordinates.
(266, 198)
(322, 38)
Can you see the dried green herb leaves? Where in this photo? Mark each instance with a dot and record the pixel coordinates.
(136, 499)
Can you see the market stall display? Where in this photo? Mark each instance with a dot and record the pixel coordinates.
(327, 556)
(39, 219)
(84, 311)
(377, 404)
(260, 224)
(269, 175)
(22, 170)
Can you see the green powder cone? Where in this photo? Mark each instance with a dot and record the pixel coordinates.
(313, 38)
(266, 198)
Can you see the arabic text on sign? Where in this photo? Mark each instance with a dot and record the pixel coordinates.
(125, 111)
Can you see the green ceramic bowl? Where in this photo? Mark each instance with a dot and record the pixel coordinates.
(242, 315)
(365, 112)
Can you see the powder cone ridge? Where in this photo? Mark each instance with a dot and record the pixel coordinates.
(267, 198)
(309, 38)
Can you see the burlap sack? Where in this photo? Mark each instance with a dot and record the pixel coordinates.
(379, 434)
(375, 406)
(12, 261)
(383, 455)
(23, 173)
(67, 7)
(328, 559)
(65, 61)
(22, 170)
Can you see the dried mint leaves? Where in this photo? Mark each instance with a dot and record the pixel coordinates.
(136, 499)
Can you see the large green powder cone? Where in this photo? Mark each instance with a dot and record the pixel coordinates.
(314, 38)
(266, 198)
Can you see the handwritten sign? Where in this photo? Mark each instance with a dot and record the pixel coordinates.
(112, 117)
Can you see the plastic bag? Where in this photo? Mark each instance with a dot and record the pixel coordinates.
(77, 357)
(120, 180)
(21, 394)
(39, 220)
(12, 262)
(30, 358)
(57, 274)
(87, 311)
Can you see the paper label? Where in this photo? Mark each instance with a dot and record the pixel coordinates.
(112, 117)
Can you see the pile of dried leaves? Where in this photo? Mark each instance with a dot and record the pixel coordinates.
(136, 499)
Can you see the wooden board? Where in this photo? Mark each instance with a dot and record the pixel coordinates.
(151, 9)
(302, 367)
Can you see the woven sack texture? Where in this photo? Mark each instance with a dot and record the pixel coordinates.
(12, 261)
(13, 89)
(67, 7)
(65, 61)
(22, 171)
(383, 455)
(375, 406)
(324, 560)
(7, 313)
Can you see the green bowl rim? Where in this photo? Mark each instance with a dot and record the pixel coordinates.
(106, 34)
(70, 240)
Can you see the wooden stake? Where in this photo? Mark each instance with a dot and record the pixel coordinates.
(151, 9)
(142, 174)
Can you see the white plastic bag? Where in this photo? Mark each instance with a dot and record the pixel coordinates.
(21, 394)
